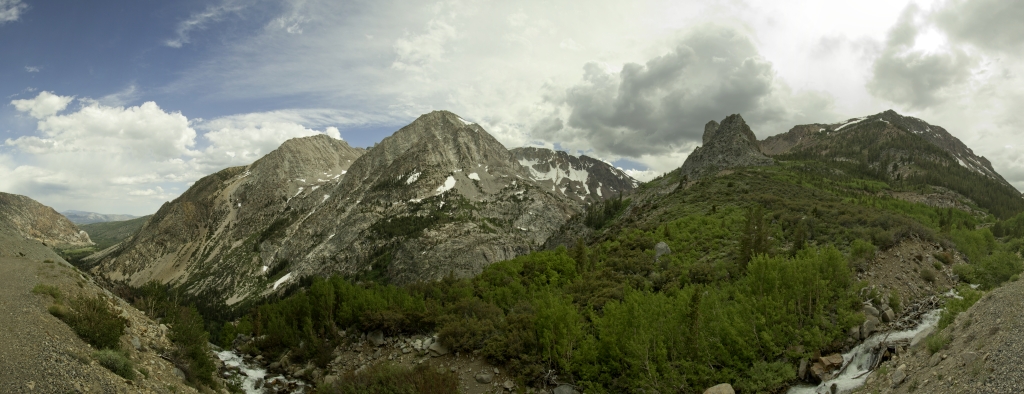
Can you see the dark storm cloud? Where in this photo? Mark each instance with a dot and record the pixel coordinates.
(662, 105)
(989, 24)
(911, 77)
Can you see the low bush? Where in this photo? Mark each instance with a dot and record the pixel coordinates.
(388, 378)
(117, 362)
(93, 320)
(936, 342)
(928, 275)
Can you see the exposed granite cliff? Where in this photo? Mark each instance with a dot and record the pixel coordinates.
(726, 145)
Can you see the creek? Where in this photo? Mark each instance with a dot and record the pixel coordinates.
(254, 378)
(858, 361)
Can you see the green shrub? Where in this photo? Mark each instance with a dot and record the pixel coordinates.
(955, 306)
(93, 321)
(389, 378)
(937, 265)
(51, 291)
(945, 257)
(928, 275)
(936, 342)
(117, 362)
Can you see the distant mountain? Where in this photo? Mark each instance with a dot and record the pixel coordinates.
(36, 221)
(891, 147)
(107, 234)
(439, 197)
(584, 178)
(83, 217)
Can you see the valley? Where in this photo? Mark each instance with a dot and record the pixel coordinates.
(440, 260)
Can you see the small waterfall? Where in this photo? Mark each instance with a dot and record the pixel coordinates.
(858, 361)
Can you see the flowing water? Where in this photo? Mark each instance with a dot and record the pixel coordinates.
(253, 377)
(858, 360)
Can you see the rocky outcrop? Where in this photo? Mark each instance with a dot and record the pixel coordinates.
(583, 178)
(36, 221)
(726, 145)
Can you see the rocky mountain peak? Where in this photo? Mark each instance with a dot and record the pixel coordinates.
(728, 144)
(39, 222)
(583, 178)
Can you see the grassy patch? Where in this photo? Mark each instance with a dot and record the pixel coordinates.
(117, 362)
(51, 291)
(386, 378)
(936, 342)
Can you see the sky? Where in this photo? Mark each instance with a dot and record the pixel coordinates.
(118, 106)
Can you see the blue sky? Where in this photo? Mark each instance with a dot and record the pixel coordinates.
(117, 107)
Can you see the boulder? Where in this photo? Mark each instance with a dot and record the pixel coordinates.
(565, 389)
(888, 316)
(855, 332)
(484, 378)
(509, 385)
(870, 311)
(724, 388)
(831, 362)
(437, 350)
(898, 377)
(661, 249)
(802, 371)
(818, 372)
(869, 327)
(376, 338)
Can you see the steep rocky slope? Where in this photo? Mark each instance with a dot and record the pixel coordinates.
(439, 197)
(208, 223)
(39, 353)
(584, 178)
(36, 221)
(983, 353)
(726, 145)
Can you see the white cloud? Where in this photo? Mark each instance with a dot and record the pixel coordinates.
(31, 69)
(199, 21)
(10, 10)
(242, 139)
(130, 159)
(43, 105)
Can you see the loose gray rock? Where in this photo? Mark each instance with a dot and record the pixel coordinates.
(724, 388)
(565, 389)
(888, 316)
(376, 338)
(437, 350)
(484, 378)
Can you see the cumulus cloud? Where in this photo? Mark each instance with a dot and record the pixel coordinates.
(11, 10)
(130, 159)
(415, 51)
(242, 139)
(43, 105)
(914, 77)
(657, 110)
(31, 69)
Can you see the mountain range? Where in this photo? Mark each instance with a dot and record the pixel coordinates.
(83, 217)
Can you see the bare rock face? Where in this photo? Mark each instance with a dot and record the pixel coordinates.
(583, 178)
(726, 145)
(36, 221)
(439, 197)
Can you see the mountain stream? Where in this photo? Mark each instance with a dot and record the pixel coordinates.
(858, 361)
